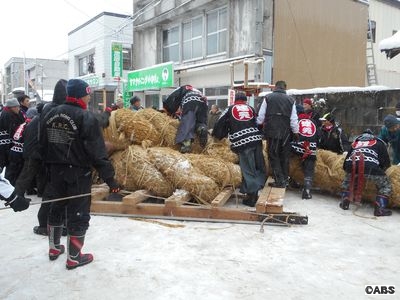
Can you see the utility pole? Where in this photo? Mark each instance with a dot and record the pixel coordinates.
(258, 45)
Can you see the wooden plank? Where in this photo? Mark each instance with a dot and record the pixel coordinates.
(100, 192)
(151, 209)
(222, 197)
(177, 199)
(270, 199)
(136, 197)
(263, 197)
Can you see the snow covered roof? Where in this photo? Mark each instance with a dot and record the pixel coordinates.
(337, 89)
(391, 45)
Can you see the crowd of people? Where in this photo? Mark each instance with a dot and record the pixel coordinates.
(51, 149)
(296, 129)
(65, 143)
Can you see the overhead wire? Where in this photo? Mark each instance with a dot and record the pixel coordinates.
(125, 23)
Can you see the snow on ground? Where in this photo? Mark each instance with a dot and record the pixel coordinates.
(333, 257)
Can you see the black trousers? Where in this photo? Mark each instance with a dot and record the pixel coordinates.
(308, 166)
(33, 173)
(278, 157)
(187, 126)
(14, 168)
(68, 181)
(252, 166)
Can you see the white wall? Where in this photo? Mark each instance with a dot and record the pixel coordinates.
(387, 19)
(97, 37)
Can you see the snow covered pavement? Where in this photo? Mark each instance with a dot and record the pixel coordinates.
(335, 256)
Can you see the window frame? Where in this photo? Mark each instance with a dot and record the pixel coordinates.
(217, 32)
(178, 43)
(192, 39)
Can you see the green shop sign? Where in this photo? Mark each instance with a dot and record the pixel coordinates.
(92, 81)
(116, 60)
(159, 76)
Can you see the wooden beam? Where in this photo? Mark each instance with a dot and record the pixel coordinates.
(136, 197)
(151, 209)
(177, 199)
(270, 199)
(222, 197)
(100, 192)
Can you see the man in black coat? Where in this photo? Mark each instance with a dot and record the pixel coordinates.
(34, 166)
(10, 119)
(73, 144)
(193, 118)
(376, 160)
(238, 122)
(278, 116)
(332, 137)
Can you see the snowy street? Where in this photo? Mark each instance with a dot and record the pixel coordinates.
(333, 257)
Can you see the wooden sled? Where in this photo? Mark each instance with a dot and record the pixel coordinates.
(141, 203)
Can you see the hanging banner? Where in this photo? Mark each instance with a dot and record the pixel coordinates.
(116, 60)
(156, 77)
(231, 94)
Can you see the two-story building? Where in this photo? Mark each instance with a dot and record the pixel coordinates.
(34, 76)
(307, 43)
(100, 52)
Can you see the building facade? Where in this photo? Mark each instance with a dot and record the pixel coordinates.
(385, 22)
(34, 76)
(100, 52)
(208, 41)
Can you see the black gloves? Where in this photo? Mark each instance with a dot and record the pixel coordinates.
(113, 185)
(18, 203)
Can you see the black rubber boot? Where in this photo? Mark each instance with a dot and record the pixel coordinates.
(55, 249)
(40, 230)
(251, 200)
(75, 257)
(186, 146)
(381, 203)
(345, 203)
(203, 135)
(306, 194)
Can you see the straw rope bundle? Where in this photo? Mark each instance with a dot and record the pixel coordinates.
(112, 135)
(222, 172)
(329, 175)
(180, 172)
(136, 127)
(370, 191)
(119, 159)
(165, 125)
(143, 174)
(328, 170)
(221, 149)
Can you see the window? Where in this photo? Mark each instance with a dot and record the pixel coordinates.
(127, 59)
(86, 65)
(216, 31)
(218, 96)
(171, 44)
(193, 39)
(371, 30)
(83, 62)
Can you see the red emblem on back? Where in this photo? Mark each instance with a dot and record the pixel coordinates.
(307, 128)
(242, 112)
(363, 144)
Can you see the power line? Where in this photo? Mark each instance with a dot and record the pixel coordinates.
(126, 22)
